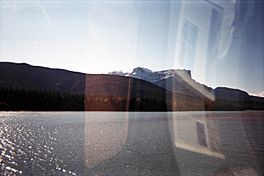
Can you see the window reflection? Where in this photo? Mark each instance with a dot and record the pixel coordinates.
(217, 143)
(196, 133)
(188, 43)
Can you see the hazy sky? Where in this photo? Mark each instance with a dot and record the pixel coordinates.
(104, 36)
(92, 37)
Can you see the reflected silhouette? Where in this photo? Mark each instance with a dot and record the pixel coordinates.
(174, 143)
(197, 134)
(211, 143)
(105, 135)
(128, 143)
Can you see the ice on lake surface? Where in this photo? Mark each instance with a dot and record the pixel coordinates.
(132, 143)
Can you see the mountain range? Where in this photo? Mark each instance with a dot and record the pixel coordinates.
(175, 80)
(140, 90)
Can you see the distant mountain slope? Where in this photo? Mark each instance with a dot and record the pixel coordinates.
(25, 76)
(234, 99)
(260, 94)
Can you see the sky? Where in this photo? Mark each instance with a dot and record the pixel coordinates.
(105, 36)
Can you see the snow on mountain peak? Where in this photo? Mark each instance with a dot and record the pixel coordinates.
(151, 76)
(141, 70)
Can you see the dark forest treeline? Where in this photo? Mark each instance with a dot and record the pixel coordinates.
(251, 103)
(34, 100)
(124, 103)
(13, 99)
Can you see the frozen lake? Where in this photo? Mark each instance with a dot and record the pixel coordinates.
(132, 143)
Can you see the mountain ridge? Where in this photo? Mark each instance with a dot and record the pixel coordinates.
(175, 80)
(175, 91)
